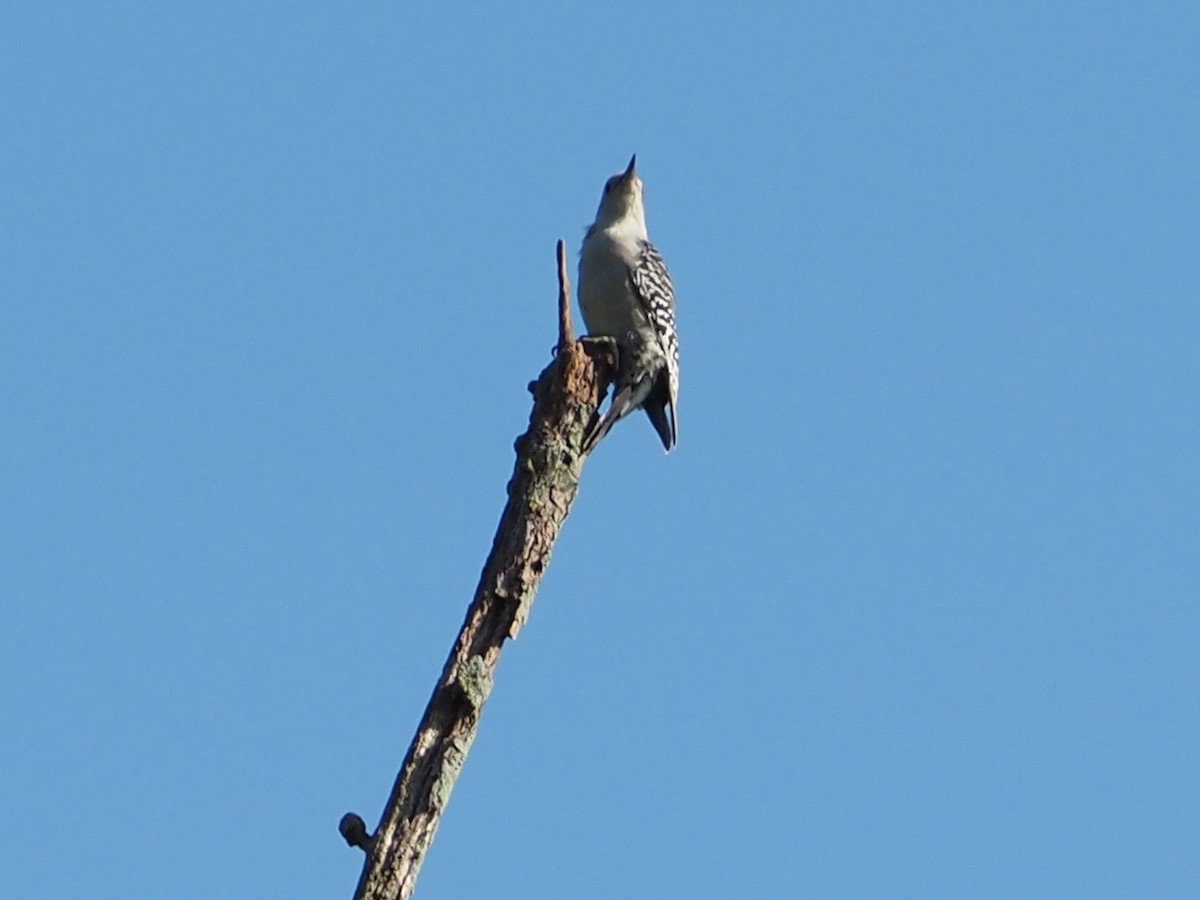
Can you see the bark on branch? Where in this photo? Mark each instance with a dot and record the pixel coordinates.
(540, 493)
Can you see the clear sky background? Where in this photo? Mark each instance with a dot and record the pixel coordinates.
(913, 611)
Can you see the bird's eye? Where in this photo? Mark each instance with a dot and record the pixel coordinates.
(608, 185)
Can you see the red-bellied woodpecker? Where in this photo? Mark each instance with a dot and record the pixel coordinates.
(625, 294)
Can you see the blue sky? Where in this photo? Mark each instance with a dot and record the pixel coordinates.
(912, 611)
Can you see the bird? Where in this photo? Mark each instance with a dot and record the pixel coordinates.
(626, 296)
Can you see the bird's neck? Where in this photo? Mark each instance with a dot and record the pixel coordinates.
(630, 227)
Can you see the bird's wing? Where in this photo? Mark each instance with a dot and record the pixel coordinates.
(652, 284)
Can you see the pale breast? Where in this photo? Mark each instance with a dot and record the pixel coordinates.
(606, 295)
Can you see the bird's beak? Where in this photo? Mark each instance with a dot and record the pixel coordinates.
(631, 168)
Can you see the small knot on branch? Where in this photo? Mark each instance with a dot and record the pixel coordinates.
(354, 830)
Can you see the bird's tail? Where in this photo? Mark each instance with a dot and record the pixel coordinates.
(628, 398)
(662, 417)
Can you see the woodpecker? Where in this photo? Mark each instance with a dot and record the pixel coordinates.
(625, 294)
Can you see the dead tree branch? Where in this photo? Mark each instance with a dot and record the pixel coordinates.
(540, 493)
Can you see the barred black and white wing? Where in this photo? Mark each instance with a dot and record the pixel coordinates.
(652, 284)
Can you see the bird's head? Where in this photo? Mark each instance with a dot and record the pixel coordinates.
(622, 198)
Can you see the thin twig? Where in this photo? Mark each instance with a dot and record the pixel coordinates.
(565, 336)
